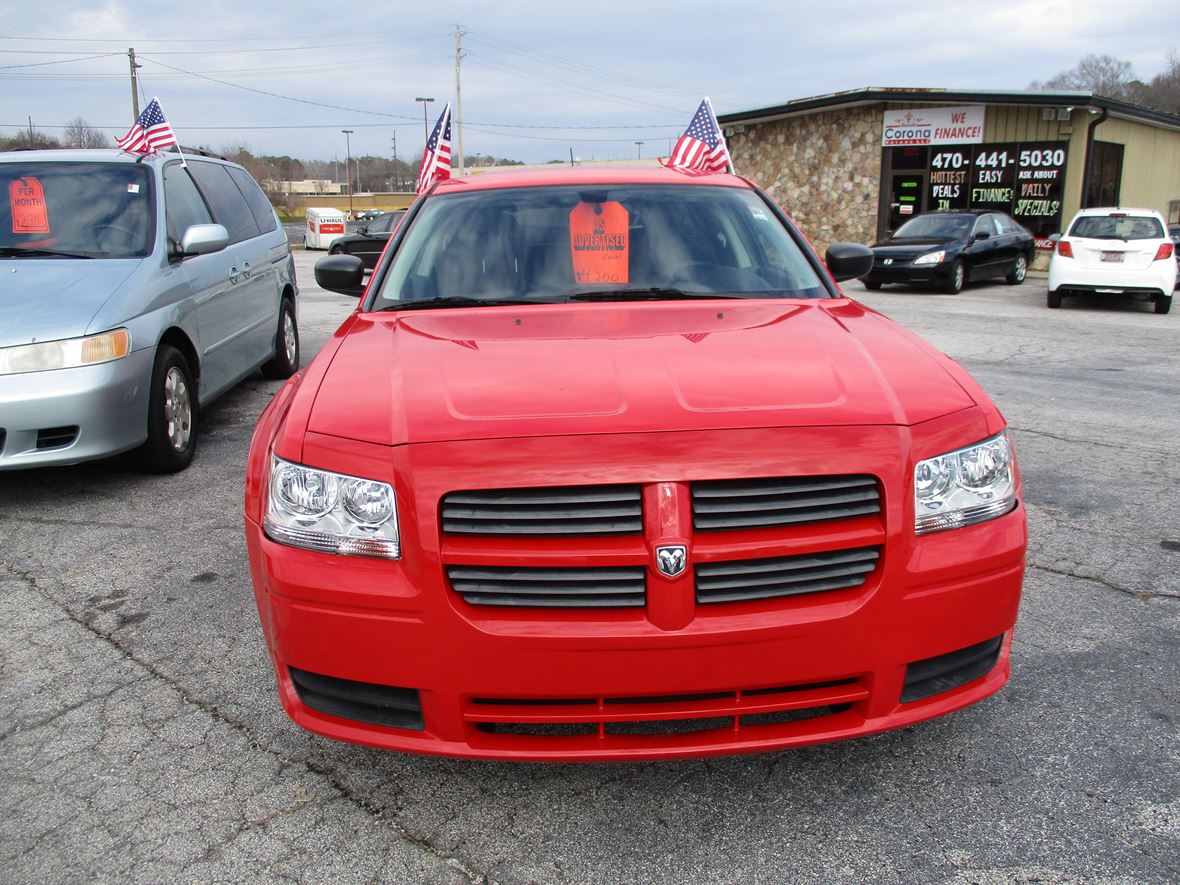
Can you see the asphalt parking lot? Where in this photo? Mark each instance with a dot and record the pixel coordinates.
(141, 738)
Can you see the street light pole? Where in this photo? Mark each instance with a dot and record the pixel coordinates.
(348, 166)
(638, 150)
(425, 121)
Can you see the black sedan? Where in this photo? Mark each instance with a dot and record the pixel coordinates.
(368, 241)
(946, 249)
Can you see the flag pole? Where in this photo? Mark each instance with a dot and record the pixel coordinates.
(183, 163)
(721, 135)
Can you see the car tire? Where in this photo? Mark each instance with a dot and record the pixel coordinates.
(1054, 299)
(871, 286)
(334, 250)
(954, 283)
(1163, 303)
(172, 414)
(1019, 271)
(285, 362)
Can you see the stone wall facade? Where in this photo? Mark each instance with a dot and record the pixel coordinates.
(824, 169)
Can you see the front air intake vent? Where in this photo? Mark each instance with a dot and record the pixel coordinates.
(942, 673)
(564, 511)
(595, 587)
(767, 503)
(56, 437)
(748, 579)
(385, 705)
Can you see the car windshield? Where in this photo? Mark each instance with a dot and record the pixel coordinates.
(558, 243)
(943, 227)
(92, 210)
(1117, 227)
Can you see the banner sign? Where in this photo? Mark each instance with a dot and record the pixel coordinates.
(962, 125)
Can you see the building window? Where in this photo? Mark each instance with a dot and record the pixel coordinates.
(1106, 174)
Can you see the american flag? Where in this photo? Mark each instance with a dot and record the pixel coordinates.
(702, 146)
(149, 133)
(436, 159)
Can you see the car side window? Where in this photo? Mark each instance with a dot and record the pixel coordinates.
(183, 206)
(228, 204)
(986, 223)
(380, 225)
(255, 199)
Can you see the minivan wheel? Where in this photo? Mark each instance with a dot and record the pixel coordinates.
(1163, 303)
(1054, 299)
(954, 283)
(285, 362)
(1019, 270)
(172, 414)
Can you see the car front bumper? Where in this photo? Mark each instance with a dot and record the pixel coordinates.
(907, 274)
(65, 416)
(672, 679)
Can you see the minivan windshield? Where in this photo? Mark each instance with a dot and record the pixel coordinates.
(606, 242)
(942, 227)
(88, 210)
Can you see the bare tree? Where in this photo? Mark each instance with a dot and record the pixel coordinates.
(80, 134)
(1102, 75)
(27, 138)
(1163, 92)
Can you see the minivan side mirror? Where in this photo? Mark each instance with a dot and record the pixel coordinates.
(341, 273)
(203, 239)
(847, 261)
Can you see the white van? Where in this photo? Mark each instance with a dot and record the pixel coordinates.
(324, 225)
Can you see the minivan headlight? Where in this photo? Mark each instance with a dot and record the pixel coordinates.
(964, 487)
(68, 353)
(930, 258)
(330, 512)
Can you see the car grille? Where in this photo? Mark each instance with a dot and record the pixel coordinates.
(584, 547)
(550, 587)
(767, 503)
(942, 673)
(572, 510)
(746, 579)
(726, 712)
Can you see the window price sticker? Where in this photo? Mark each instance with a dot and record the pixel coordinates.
(599, 243)
(26, 200)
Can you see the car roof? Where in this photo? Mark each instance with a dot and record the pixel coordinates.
(1116, 210)
(98, 155)
(586, 175)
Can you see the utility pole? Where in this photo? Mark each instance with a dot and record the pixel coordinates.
(348, 167)
(134, 84)
(458, 98)
(397, 177)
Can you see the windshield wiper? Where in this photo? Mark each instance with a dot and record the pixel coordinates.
(17, 251)
(457, 301)
(653, 294)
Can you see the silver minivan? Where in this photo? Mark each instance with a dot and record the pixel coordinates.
(133, 291)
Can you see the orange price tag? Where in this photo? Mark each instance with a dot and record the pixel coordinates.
(26, 199)
(599, 244)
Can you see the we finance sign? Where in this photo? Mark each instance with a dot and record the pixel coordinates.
(933, 126)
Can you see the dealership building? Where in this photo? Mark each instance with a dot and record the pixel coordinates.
(852, 166)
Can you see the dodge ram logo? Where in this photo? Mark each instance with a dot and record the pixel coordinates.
(671, 560)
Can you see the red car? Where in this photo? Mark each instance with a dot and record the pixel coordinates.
(605, 466)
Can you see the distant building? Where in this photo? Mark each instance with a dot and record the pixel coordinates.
(306, 186)
(852, 166)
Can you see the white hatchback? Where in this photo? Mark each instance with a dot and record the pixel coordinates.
(1115, 251)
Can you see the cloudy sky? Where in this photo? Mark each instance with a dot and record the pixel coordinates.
(539, 80)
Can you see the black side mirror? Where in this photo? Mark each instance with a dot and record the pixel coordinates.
(341, 273)
(363, 229)
(847, 261)
(982, 235)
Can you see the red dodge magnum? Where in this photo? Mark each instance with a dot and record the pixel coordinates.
(605, 466)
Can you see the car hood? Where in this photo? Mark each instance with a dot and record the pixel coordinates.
(610, 368)
(44, 299)
(903, 246)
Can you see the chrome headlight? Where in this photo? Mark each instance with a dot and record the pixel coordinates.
(68, 353)
(965, 487)
(930, 258)
(331, 512)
